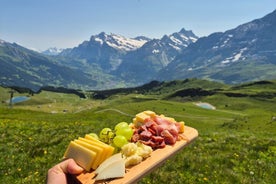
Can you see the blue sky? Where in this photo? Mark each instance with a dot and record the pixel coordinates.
(40, 24)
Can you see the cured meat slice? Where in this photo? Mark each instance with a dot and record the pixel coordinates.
(168, 137)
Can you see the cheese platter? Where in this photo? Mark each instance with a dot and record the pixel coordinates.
(135, 173)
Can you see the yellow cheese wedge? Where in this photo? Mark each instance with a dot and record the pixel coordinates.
(140, 117)
(150, 113)
(82, 156)
(182, 127)
(108, 150)
(97, 150)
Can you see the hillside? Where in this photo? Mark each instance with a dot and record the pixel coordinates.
(189, 90)
(235, 145)
(26, 68)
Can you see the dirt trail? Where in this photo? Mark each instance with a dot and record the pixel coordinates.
(116, 110)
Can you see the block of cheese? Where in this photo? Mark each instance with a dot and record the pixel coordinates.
(105, 152)
(98, 150)
(107, 148)
(88, 152)
(82, 155)
(150, 113)
(140, 119)
(142, 116)
(181, 126)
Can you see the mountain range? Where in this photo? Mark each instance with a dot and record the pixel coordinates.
(105, 61)
(245, 53)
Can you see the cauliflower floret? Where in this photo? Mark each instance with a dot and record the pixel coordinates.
(129, 149)
(134, 153)
(133, 160)
(143, 150)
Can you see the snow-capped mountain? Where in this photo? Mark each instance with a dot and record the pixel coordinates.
(245, 53)
(2, 41)
(180, 40)
(139, 66)
(119, 42)
(53, 51)
(104, 50)
(129, 58)
(142, 38)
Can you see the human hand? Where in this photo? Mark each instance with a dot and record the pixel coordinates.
(59, 173)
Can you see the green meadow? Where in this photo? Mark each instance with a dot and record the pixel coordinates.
(236, 143)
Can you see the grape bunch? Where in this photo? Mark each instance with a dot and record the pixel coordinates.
(106, 135)
(118, 137)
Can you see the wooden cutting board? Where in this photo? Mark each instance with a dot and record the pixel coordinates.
(137, 172)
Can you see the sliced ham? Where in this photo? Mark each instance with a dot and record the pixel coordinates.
(145, 135)
(157, 132)
(168, 137)
(135, 137)
(157, 139)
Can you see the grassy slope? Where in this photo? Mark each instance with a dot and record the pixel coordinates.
(236, 143)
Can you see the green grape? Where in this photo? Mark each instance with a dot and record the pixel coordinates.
(116, 149)
(104, 135)
(94, 135)
(127, 132)
(110, 135)
(121, 125)
(119, 141)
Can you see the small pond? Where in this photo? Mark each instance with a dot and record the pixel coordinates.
(18, 99)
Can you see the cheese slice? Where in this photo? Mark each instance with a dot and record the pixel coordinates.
(82, 155)
(108, 161)
(107, 148)
(97, 150)
(89, 137)
(103, 155)
(114, 170)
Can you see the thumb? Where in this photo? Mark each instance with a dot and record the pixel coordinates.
(73, 167)
(57, 174)
(70, 166)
